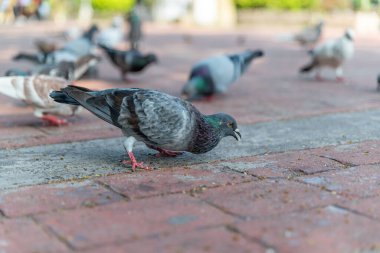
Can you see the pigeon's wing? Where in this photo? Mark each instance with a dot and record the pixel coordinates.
(222, 71)
(158, 119)
(34, 90)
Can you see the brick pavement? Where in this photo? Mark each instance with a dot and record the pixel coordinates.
(293, 190)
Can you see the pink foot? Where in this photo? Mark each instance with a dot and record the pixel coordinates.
(134, 163)
(209, 98)
(54, 121)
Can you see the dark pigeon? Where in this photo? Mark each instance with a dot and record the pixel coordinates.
(131, 61)
(165, 123)
(216, 74)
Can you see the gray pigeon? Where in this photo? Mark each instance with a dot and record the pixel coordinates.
(378, 82)
(332, 54)
(34, 91)
(216, 74)
(129, 61)
(70, 52)
(68, 70)
(310, 35)
(165, 123)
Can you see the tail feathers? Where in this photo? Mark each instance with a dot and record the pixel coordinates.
(63, 97)
(35, 58)
(307, 67)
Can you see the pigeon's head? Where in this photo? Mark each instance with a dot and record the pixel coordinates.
(151, 58)
(199, 86)
(349, 34)
(226, 125)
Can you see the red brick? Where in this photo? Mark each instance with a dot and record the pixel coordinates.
(171, 180)
(132, 220)
(267, 198)
(23, 235)
(289, 164)
(358, 153)
(45, 198)
(356, 181)
(210, 240)
(367, 206)
(328, 230)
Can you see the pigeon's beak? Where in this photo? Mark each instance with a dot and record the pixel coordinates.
(237, 134)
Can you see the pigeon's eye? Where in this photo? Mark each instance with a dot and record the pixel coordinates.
(229, 124)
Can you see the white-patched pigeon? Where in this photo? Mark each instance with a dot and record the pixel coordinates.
(34, 91)
(165, 123)
(216, 74)
(114, 35)
(332, 54)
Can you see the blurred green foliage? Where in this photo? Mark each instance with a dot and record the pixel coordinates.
(296, 4)
(278, 4)
(113, 5)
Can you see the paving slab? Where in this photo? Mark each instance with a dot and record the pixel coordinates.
(218, 240)
(129, 221)
(24, 235)
(329, 229)
(359, 181)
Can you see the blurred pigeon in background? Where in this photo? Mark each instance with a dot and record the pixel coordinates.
(332, 54)
(310, 35)
(378, 82)
(68, 70)
(216, 74)
(113, 35)
(163, 122)
(34, 91)
(70, 52)
(130, 61)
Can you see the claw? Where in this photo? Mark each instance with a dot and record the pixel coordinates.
(134, 163)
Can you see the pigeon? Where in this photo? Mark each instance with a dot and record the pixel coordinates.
(332, 54)
(216, 74)
(378, 82)
(68, 70)
(114, 35)
(128, 61)
(34, 91)
(84, 45)
(70, 52)
(310, 35)
(164, 123)
(135, 33)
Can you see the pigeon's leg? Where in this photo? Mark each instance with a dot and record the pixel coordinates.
(54, 121)
(124, 77)
(128, 145)
(167, 153)
(164, 152)
(318, 76)
(339, 75)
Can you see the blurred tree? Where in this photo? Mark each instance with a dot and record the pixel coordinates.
(113, 5)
